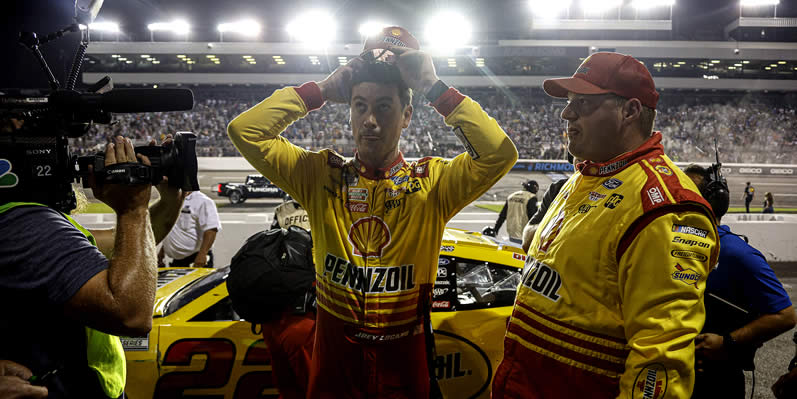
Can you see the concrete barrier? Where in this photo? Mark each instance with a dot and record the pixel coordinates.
(775, 235)
(532, 165)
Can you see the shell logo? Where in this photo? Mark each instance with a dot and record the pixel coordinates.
(395, 32)
(369, 236)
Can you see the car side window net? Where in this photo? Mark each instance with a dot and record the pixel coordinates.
(485, 284)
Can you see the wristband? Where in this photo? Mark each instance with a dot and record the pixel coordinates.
(729, 343)
(436, 91)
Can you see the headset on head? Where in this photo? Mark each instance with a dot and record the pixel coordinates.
(531, 185)
(716, 188)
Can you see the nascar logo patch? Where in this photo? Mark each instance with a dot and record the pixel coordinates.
(677, 228)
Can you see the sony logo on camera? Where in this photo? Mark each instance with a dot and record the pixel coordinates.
(39, 151)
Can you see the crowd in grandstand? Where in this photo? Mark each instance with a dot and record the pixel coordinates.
(750, 129)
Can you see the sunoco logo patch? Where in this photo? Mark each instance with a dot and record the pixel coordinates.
(651, 382)
(686, 276)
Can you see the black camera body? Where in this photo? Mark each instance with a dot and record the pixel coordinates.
(41, 169)
(176, 161)
(36, 169)
(35, 162)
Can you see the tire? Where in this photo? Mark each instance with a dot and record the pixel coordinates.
(235, 197)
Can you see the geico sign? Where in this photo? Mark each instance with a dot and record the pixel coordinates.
(776, 171)
(756, 171)
(726, 171)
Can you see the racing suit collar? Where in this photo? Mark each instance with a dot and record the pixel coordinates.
(650, 148)
(378, 173)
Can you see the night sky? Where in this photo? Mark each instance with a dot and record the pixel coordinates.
(492, 20)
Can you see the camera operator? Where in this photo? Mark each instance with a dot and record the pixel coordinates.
(742, 278)
(66, 291)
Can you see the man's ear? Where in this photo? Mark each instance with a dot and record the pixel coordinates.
(632, 110)
(407, 115)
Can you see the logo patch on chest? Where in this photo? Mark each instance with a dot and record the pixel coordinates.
(357, 194)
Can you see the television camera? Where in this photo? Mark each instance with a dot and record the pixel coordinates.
(36, 164)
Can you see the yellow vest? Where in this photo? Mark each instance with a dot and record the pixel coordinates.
(104, 352)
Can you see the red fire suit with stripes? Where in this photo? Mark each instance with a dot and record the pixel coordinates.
(376, 235)
(612, 293)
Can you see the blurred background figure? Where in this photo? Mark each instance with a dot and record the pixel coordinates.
(290, 213)
(769, 203)
(191, 239)
(747, 196)
(518, 209)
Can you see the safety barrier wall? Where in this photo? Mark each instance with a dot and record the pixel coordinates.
(530, 165)
(773, 234)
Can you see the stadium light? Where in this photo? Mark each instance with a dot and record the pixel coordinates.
(448, 30)
(372, 28)
(177, 26)
(107, 26)
(594, 6)
(548, 8)
(648, 4)
(244, 27)
(315, 27)
(756, 3)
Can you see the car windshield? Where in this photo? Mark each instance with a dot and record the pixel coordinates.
(194, 290)
(257, 180)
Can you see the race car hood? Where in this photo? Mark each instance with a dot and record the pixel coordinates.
(173, 279)
(474, 245)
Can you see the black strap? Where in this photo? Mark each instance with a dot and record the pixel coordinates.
(436, 91)
(431, 354)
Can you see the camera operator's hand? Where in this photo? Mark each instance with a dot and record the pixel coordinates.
(122, 198)
(336, 88)
(416, 67)
(172, 195)
(14, 382)
(165, 211)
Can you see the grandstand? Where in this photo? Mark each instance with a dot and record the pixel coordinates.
(752, 128)
(729, 83)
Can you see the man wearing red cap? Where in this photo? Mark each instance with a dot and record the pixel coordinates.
(377, 220)
(611, 296)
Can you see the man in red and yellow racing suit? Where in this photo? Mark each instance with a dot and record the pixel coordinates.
(377, 220)
(612, 293)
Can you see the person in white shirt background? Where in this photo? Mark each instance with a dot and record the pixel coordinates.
(190, 242)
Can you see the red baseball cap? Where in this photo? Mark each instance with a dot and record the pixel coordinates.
(601, 73)
(389, 36)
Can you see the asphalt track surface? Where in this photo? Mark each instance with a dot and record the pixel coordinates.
(242, 220)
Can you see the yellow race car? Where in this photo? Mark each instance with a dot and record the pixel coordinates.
(199, 347)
